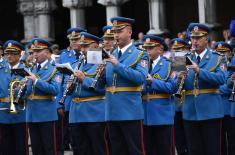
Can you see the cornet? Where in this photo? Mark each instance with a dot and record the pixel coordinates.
(15, 99)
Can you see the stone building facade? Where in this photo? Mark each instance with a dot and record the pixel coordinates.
(49, 19)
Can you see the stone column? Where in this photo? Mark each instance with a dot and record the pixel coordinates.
(26, 8)
(201, 11)
(207, 15)
(112, 8)
(45, 26)
(157, 17)
(77, 11)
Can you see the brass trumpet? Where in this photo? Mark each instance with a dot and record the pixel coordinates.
(15, 98)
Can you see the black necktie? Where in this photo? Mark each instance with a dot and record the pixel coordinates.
(150, 65)
(39, 67)
(119, 54)
(198, 59)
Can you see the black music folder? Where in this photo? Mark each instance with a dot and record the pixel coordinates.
(21, 72)
(65, 68)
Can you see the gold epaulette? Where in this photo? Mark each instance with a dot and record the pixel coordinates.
(217, 64)
(157, 76)
(137, 59)
(51, 76)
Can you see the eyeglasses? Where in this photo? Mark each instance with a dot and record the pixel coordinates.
(30, 53)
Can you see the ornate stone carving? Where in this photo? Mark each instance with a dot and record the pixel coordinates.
(77, 3)
(112, 2)
(44, 6)
(26, 7)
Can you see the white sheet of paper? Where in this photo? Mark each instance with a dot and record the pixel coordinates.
(94, 57)
(65, 65)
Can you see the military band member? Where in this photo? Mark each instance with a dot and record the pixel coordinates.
(159, 109)
(125, 75)
(30, 62)
(203, 108)
(87, 109)
(43, 86)
(179, 45)
(108, 39)
(14, 135)
(69, 55)
(228, 127)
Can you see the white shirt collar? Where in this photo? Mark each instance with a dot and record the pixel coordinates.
(1, 60)
(125, 47)
(202, 54)
(156, 61)
(15, 66)
(43, 64)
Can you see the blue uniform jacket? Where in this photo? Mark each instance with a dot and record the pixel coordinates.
(225, 92)
(160, 111)
(88, 111)
(67, 56)
(131, 71)
(232, 111)
(6, 77)
(47, 85)
(208, 105)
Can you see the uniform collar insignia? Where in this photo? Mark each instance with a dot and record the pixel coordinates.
(130, 50)
(207, 56)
